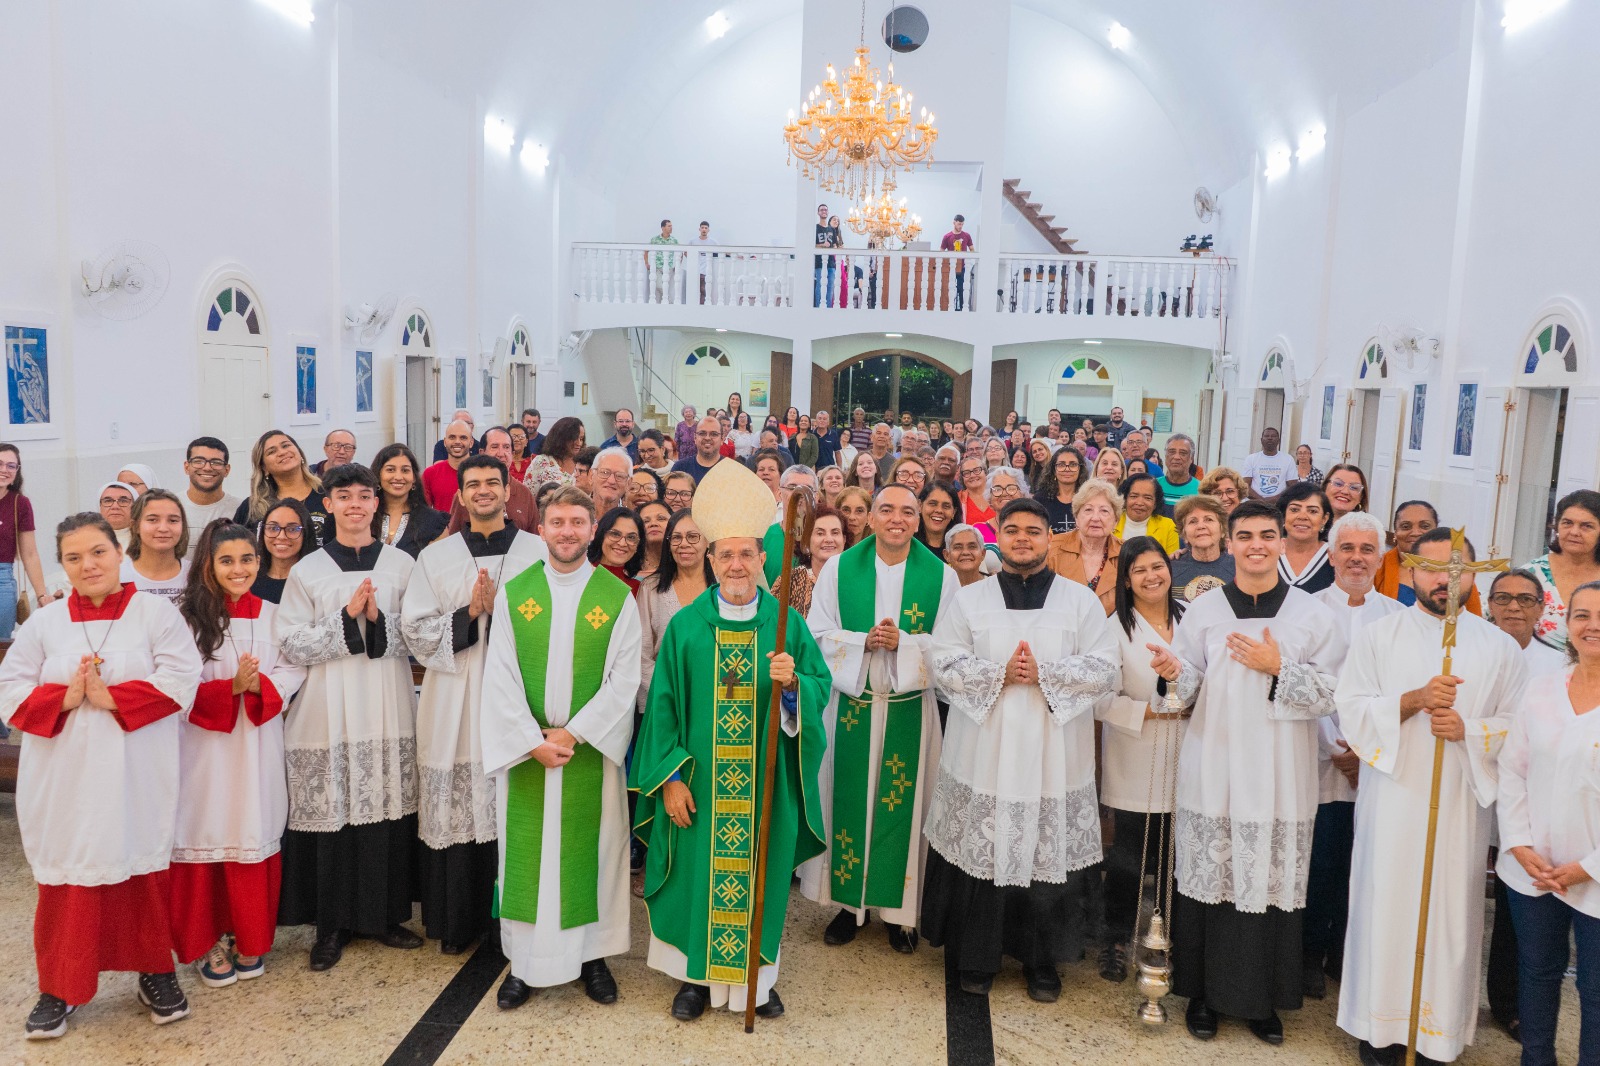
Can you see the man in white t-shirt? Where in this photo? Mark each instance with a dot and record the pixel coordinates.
(1269, 472)
(206, 464)
(703, 237)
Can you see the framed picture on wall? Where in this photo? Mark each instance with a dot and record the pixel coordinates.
(757, 391)
(1466, 415)
(1419, 406)
(305, 379)
(461, 383)
(1327, 412)
(30, 413)
(364, 404)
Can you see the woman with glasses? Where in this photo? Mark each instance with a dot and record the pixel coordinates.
(1004, 484)
(155, 560)
(940, 504)
(1346, 487)
(286, 541)
(975, 509)
(678, 491)
(964, 553)
(1305, 466)
(683, 575)
(1515, 600)
(1088, 553)
(116, 507)
(909, 472)
(618, 545)
(644, 485)
(278, 471)
(1225, 484)
(994, 454)
(1304, 562)
(855, 506)
(404, 518)
(1058, 484)
(1573, 560)
(16, 541)
(520, 458)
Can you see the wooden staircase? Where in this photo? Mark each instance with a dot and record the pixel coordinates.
(1031, 211)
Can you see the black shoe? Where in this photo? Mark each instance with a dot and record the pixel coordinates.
(1334, 967)
(1380, 1056)
(1313, 982)
(48, 1019)
(975, 983)
(1201, 1020)
(772, 1008)
(514, 992)
(162, 994)
(902, 939)
(398, 936)
(450, 947)
(690, 1002)
(1514, 1029)
(598, 984)
(1269, 1028)
(841, 930)
(328, 950)
(1044, 983)
(1114, 963)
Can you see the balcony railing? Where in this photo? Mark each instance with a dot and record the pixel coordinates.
(1117, 286)
(865, 280)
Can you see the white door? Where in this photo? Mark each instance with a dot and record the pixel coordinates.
(422, 406)
(520, 390)
(1380, 453)
(1268, 412)
(1536, 477)
(707, 384)
(1580, 441)
(235, 401)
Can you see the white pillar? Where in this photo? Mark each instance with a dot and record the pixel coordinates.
(982, 365)
(800, 374)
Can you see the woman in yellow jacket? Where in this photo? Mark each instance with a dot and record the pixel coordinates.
(1142, 502)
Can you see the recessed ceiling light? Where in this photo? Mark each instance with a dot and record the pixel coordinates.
(894, 336)
(1521, 13)
(498, 134)
(1094, 342)
(717, 25)
(1119, 36)
(722, 331)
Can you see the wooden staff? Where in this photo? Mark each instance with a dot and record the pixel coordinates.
(1456, 568)
(799, 506)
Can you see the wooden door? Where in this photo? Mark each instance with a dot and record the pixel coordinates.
(780, 388)
(1002, 389)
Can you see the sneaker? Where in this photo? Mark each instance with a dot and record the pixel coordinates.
(216, 969)
(249, 968)
(49, 1018)
(164, 996)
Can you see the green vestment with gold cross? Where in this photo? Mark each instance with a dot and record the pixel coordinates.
(706, 720)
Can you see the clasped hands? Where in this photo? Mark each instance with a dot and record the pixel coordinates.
(87, 686)
(885, 635)
(363, 602)
(1546, 877)
(248, 677)
(1437, 699)
(482, 600)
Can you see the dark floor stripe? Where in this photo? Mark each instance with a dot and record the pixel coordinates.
(968, 1030)
(449, 1012)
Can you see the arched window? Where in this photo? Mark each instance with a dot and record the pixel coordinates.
(417, 333)
(519, 343)
(1085, 367)
(1554, 348)
(233, 311)
(1273, 365)
(1374, 363)
(709, 352)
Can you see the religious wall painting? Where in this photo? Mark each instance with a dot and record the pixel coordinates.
(363, 382)
(1419, 404)
(488, 386)
(461, 383)
(1466, 415)
(305, 380)
(757, 391)
(1327, 412)
(27, 375)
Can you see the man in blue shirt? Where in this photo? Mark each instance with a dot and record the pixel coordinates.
(623, 438)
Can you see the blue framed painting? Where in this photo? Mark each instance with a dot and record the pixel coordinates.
(305, 380)
(1466, 415)
(461, 383)
(28, 375)
(1327, 411)
(363, 383)
(1419, 407)
(488, 388)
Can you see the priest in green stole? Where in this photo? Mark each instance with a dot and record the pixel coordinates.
(698, 766)
(559, 687)
(872, 613)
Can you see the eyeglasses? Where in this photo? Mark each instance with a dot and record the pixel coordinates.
(621, 537)
(1340, 483)
(212, 464)
(690, 539)
(1005, 492)
(911, 477)
(115, 501)
(970, 471)
(339, 447)
(681, 495)
(10, 468)
(273, 529)
(611, 476)
(1506, 599)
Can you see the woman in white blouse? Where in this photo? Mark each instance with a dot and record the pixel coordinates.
(1549, 809)
(744, 437)
(1139, 743)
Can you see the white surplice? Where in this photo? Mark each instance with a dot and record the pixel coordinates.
(97, 804)
(1333, 786)
(1132, 746)
(455, 803)
(1391, 657)
(1247, 774)
(881, 673)
(1015, 798)
(543, 953)
(235, 797)
(350, 735)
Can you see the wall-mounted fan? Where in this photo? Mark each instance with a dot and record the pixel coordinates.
(124, 282)
(1205, 204)
(1411, 349)
(368, 320)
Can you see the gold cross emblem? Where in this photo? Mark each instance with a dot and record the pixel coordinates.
(915, 615)
(529, 609)
(850, 719)
(728, 944)
(596, 617)
(848, 859)
(731, 892)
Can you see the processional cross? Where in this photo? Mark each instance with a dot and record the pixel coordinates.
(1457, 567)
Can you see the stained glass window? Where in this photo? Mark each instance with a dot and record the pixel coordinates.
(1553, 339)
(416, 328)
(1087, 367)
(519, 342)
(1274, 362)
(1374, 362)
(232, 301)
(707, 351)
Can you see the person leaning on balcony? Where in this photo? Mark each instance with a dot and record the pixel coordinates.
(666, 264)
(959, 240)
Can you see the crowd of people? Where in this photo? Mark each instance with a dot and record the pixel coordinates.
(1010, 676)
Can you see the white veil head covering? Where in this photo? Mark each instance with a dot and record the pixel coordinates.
(146, 474)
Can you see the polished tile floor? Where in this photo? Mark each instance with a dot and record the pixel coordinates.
(857, 1004)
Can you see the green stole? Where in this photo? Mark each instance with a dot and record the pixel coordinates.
(733, 805)
(772, 544)
(892, 828)
(582, 777)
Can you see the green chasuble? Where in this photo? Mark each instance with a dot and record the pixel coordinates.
(892, 825)
(706, 720)
(772, 544)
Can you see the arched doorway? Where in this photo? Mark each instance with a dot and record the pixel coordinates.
(895, 380)
(235, 381)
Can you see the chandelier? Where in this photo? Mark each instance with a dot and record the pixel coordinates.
(884, 220)
(851, 137)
